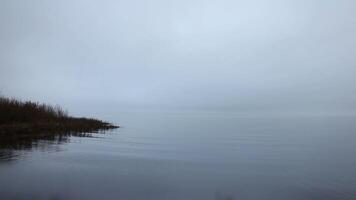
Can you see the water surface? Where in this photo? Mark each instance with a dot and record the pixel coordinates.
(190, 155)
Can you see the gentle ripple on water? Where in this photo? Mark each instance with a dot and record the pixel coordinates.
(190, 156)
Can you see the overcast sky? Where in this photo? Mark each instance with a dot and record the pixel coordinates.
(231, 54)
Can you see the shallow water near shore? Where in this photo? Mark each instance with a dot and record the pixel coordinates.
(191, 155)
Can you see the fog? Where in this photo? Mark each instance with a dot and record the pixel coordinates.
(278, 55)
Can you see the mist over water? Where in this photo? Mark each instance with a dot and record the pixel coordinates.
(220, 100)
(283, 55)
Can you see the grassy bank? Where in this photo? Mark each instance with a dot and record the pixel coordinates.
(26, 119)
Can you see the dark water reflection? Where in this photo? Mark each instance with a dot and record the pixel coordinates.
(217, 156)
(10, 150)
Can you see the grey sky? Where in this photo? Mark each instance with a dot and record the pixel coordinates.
(278, 54)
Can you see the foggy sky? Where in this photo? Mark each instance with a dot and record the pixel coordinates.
(277, 54)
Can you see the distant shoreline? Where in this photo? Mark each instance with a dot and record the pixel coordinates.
(25, 120)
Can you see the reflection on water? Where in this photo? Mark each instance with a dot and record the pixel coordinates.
(200, 156)
(6, 154)
(11, 149)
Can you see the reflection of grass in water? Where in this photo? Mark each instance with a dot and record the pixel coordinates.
(28, 125)
(9, 149)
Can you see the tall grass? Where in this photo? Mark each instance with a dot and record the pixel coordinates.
(13, 110)
(19, 119)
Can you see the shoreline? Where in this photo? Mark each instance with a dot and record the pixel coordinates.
(23, 131)
(25, 120)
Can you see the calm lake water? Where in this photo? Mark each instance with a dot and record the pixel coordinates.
(191, 156)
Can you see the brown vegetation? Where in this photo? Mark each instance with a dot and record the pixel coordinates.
(19, 120)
